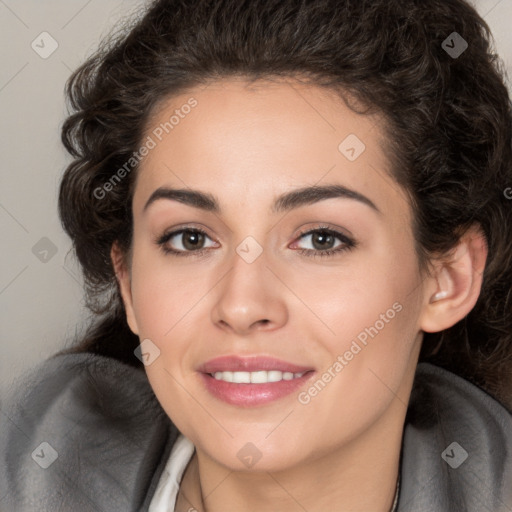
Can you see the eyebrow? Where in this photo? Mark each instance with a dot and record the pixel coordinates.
(283, 203)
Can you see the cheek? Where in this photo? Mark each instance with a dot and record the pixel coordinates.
(162, 294)
(376, 326)
(372, 318)
(373, 292)
(373, 330)
(164, 302)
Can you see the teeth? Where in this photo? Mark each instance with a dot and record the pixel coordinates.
(260, 377)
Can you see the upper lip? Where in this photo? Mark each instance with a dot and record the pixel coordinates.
(250, 364)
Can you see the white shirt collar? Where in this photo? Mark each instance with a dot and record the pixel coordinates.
(166, 492)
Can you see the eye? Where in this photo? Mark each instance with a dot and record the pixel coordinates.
(322, 239)
(190, 239)
(192, 242)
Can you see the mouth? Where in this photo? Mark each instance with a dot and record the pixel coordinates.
(252, 381)
(257, 377)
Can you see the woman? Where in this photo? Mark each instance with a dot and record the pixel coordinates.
(293, 223)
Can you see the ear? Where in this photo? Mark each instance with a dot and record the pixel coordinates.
(124, 280)
(453, 289)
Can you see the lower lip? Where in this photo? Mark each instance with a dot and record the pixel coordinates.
(249, 395)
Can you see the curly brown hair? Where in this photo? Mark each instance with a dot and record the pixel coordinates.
(449, 129)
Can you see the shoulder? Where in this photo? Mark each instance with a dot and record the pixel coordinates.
(457, 447)
(82, 432)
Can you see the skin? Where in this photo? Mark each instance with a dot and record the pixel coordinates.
(247, 144)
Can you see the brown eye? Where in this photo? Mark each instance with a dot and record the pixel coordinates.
(322, 239)
(186, 240)
(191, 240)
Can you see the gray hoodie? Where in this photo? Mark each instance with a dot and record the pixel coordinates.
(85, 433)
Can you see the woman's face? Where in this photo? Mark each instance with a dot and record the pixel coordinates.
(244, 289)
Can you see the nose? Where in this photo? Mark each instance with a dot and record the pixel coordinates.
(249, 298)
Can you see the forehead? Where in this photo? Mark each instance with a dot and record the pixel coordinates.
(239, 138)
(274, 113)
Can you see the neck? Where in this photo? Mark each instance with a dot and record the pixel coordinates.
(359, 476)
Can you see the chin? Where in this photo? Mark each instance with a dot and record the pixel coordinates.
(243, 455)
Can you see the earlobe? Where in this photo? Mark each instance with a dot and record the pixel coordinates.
(124, 281)
(453, 289)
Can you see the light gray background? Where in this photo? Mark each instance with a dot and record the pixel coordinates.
(42, 302)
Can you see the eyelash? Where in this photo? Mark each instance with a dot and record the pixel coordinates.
(348, 244)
